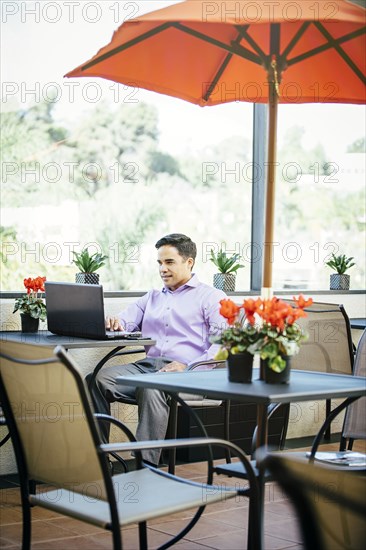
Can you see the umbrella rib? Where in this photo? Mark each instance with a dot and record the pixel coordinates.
(238, 50)
(326, 47)
(290, 46)
(125, 46)
(335, 44)
(244, 34)
(219, 73)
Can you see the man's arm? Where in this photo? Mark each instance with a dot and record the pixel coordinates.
(130, 318)
(213, 323)
(174, 366)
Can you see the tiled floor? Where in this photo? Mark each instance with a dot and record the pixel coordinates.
(222, 526)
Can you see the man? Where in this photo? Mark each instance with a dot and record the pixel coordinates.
(180, 317)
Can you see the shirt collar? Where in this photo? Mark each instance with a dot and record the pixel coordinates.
(193, 282)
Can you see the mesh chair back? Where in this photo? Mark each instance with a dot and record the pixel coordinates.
(53, 424)
(355, 420)
(328, 347)
(331, 504)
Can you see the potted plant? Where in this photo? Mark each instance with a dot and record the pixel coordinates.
(31, 306)
(88, 265)
(264, 327)
(227, 266)
(340, 280)
(235, 342)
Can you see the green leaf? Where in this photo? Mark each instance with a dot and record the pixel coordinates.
(224, 263)
(88, 263)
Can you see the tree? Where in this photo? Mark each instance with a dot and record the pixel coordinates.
(113, 146)
(358, 146)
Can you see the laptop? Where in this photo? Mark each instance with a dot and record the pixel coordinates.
(75, 309)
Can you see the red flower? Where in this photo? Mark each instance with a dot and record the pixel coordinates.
(28, 283)
(35, 285)
(301, 302)
(251, 307)
(229, 310)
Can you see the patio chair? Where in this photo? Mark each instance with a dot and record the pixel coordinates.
(354, 427)
(192, 401)
(3, 422)
(330, 504)
(329, 346)
(57, 442)
(354, 424)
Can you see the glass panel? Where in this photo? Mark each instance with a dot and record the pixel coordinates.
(320, 199)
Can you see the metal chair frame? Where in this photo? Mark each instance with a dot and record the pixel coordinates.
(102, 450)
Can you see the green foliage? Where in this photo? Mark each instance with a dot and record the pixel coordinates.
(88, 263)
(293, 157)
(236, 339)
(340, 263)
(163, 163)
(358, 146)
(29, 305)
(224, 263)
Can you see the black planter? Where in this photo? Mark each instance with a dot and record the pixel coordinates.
(29, 324)
(225, 281)
(240, 367)
(339, 281)
(87, 278)
(272, 377)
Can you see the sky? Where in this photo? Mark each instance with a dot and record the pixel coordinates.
(41, 41)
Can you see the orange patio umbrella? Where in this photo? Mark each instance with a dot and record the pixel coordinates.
(213, 52)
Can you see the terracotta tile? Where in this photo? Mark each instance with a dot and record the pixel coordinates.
(38, 512)
(9, 497)
(41, 531)
(286, 529)
(10, 514)
(130, 539)
(284, 509)
(205, 527)
(236, 517)
(74, 526)
(5, 544)
(71, 543)
(235, 540)
(273, 543)
(190, 545)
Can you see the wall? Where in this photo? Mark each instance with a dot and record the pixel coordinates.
(305, 418)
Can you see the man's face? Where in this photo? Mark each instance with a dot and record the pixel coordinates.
(174, 270)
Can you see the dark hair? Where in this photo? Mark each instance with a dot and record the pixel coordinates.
(184, 245)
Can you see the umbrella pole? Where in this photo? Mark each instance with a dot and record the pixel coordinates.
(270, 191)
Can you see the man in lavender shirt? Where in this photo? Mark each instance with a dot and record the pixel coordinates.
(181, 318)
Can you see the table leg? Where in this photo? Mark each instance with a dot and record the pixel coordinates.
(101, 363)
(262, 440)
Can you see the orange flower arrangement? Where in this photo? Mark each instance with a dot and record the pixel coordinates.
(32, 304)
(266, 327)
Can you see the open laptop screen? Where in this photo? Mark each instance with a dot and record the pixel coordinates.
(78, 310)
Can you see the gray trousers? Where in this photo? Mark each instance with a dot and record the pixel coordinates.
(153, 408)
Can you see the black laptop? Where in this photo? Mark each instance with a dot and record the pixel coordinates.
(78, 310)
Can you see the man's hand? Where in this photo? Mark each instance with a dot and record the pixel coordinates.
(174, 366)
(112, 323)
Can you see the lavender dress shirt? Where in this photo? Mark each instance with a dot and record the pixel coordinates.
(181, 321)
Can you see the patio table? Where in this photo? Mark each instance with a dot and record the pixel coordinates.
(46, 338)
(303, 386)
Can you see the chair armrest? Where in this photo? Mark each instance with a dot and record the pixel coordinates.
(112, 420)
(129, 352)
(138, 446)
(216, 364)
